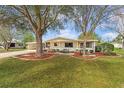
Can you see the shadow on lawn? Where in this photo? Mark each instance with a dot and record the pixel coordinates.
(50, 75)
(62, 71)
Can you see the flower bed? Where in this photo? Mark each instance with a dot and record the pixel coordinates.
(99, 54)
(96, 54)
(78, 54)
(32, 56)
(91, 55)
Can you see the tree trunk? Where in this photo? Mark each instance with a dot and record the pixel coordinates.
(7, 49)
(6, 46)
(123, 43)
(84, 48)
(39, 47)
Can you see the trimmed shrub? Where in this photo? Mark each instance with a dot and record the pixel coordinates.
(98, 48)
(107, 47)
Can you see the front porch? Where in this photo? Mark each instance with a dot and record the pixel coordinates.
(69, 46)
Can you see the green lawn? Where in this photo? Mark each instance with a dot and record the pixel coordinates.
(10, 50)
(62, 71)
(119, 51)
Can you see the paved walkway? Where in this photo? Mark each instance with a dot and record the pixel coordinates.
(15, 53)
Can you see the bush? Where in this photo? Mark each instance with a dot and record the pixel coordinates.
(107, 47)
(98, 49)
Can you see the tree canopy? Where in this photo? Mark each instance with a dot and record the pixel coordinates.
(89, 36)
(39, 19)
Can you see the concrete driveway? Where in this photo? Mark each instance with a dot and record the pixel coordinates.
(15, 53)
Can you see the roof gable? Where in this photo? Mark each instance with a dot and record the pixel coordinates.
(66, 39)
(60, 39)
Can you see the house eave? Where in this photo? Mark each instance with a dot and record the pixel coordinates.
(88, 40)
(61, 39)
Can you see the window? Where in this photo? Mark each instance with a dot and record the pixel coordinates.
(55, 44)
(81, 45)
(88, 44)
(68, 44)
(48, 44)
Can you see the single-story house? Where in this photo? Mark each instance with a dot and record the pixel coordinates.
(117, 45)
(31, 45)
(14, 44)
(63, 44)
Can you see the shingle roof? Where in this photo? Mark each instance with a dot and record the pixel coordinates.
(60, 38)
(67, 39)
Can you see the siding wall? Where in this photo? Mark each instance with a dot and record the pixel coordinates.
(61, 45)
(76, 46)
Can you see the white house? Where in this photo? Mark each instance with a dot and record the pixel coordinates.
(117, 45)
(14, 44)
(65, 44)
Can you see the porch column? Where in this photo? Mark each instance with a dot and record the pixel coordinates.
(59, 45)
(93, 46)
(77, 45)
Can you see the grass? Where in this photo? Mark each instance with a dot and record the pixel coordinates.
(62, 72)
(119, 51)
(10, 50)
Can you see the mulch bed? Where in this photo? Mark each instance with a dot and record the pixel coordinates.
(88, 56)
(92, 55)
(99, 54)
(32, 56)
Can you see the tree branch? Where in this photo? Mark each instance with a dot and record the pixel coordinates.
(45, 16)
(54, 19)
(24, 11)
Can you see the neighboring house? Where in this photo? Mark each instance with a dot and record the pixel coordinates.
(117, 45)
(31, 45)
(14, 44)
(65, 44)
(117, 42)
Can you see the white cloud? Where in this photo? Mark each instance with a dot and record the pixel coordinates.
(63, 33)
(109, 36)
(67, 34)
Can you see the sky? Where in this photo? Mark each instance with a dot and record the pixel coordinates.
(106, 31)
(72, 33)
(69, 31)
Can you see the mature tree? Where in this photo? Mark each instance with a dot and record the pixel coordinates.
(89, 35)
(28, 37)
(118, 39)
(6, 37)
(89, 17)
(119, 22)
(6, 29)
(39, 19)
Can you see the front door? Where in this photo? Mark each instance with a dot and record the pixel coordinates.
(81, 45)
